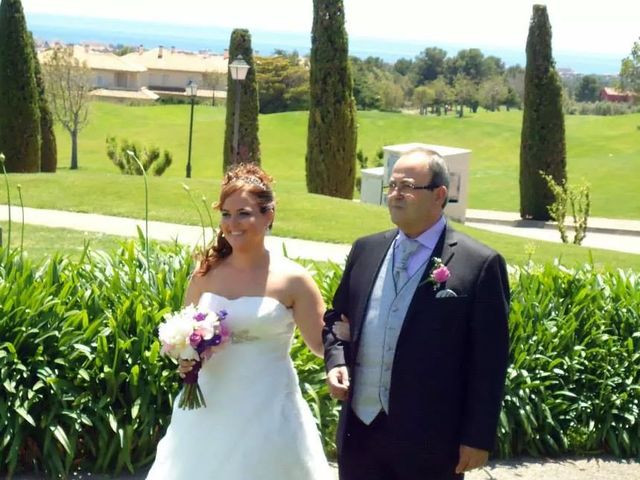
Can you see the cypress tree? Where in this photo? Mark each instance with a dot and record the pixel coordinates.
(542, 144)
(248, 142)
(48, 149)
(331, 138)
(19, 109)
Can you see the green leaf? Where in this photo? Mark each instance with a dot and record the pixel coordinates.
(24, 414)
(61, 436)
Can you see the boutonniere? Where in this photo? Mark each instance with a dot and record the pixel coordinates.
(438, 274)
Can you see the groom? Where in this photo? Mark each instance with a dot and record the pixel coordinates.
(421, 366)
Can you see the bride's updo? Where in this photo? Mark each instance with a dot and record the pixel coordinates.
(250, 178)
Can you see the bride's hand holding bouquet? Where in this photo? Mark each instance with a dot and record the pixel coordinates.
(194, 335)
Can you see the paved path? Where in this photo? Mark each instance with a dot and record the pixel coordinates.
(611, 234)
(521, 469)
(163, 231)
(559, 469)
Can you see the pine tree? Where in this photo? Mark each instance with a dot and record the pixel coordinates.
(48, 149)
(248, 141)
(542, 145)
(331, 138)
(19, 107)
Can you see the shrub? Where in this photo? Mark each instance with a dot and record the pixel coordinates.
(83, 385)
(600, 108)
(311, 368)
(579, 201)
(573, 382)
(82, 382)
(149, 157)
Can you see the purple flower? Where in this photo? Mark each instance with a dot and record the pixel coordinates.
(211, 342)
(222, 314)
(195, 339)
(198, 317)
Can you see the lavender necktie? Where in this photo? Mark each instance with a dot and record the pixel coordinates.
(405, 250)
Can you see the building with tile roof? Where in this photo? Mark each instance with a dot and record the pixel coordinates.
(147, 73)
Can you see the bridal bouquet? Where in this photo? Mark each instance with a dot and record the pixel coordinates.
(193, 334)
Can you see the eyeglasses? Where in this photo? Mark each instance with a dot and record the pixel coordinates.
(406, 187)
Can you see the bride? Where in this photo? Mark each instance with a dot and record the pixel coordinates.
(255, 425)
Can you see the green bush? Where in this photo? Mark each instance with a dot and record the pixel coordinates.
(150, 157)
(83, 386)
(82, 382)
(573, 385)
(600, 108)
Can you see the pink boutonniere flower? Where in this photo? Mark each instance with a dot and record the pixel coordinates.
(439, 273)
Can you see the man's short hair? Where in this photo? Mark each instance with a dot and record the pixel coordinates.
(438, 168)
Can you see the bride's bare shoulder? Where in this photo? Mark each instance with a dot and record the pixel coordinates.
(286, 267)
(198, 283)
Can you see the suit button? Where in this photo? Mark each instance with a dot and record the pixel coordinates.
(394, 309)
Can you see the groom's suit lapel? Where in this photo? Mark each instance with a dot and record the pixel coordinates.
(373, 258)
(445, 250)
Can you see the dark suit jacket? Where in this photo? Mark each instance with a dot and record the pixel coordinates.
(451, 357)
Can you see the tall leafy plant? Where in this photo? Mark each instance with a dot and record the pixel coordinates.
(331, 136)
(542, 143)
(248, 140)
(19, 99)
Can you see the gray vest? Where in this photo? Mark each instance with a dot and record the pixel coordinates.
(380, 331)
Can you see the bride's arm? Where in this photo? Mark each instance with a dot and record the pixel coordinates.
(194, 290)
(308, 310)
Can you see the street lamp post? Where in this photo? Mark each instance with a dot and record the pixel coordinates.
(191, 90)
(238, 69)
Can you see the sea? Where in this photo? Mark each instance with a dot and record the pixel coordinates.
(214, 39)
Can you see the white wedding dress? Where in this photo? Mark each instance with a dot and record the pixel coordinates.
(256, 425)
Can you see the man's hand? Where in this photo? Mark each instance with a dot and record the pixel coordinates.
(341, 330)
(471, 458)
(338, 381)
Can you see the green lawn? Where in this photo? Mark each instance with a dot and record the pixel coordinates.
(42, 241)
(603, 150)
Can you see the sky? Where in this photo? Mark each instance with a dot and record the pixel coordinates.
(579, 26)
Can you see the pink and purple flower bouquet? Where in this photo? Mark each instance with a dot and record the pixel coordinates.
(193, 334)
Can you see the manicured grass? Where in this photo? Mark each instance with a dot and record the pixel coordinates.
(605, 151)
(494, 138)
(42, 241)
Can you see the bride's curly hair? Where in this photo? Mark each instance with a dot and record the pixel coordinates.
(250, 178)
